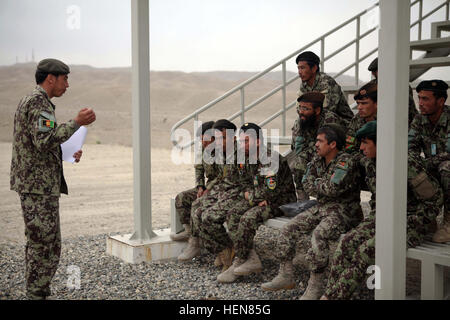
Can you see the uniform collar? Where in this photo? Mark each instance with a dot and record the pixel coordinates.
(316, 81)
(443, 119)
(44, 93)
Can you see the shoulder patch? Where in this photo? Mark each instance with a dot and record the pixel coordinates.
(271, 183)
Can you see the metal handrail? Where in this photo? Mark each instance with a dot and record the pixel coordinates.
(286, 107)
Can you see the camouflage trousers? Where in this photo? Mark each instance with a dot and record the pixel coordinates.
(298, 168)
(356, 252)
(243, 221)
(183, 204)
(323, 224)
(444, 177)
(43, 247)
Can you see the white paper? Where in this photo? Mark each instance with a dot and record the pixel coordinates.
(74, 144)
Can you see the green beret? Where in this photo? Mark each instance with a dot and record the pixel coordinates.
(432, 85)
(369, 90)
(373, 66)
(308, 56)
(224, 124)
(312, 97)
(53, 66)
(369, 130)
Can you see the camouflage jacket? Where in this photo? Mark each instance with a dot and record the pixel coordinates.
(370, 176)
(351, 144)
(412, 110)
(334, 97)
(433, 141)
(36, 165)
(204, 170)
(336, 186)
(304, 139)
(273, 184)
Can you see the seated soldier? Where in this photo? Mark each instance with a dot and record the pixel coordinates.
(183, 200)
(311, 116)
(334, 179)
(356, 251)
(366, 98)
(272, 186)
(208, 213)
(429, 134)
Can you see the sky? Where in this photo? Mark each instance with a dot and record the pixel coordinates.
(185, 35)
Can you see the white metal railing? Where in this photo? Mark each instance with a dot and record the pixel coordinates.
(323, 58)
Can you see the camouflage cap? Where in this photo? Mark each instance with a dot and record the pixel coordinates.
(312, 97)
(373, 66)
(432, 85)
(369, 90)
(368, 130)
(53, 66)
(308, 56)
(224, 124)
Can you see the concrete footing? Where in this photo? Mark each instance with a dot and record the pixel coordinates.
(160, 247)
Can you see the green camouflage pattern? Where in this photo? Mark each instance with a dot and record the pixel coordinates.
(351, 143)
(43, 246)
(36, 164)
(334, 97)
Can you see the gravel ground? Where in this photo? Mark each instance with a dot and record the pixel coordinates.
(107, 277)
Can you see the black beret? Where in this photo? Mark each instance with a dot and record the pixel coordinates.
(312, 97)
(369, 130)
(251, 126)
(432, 85)
(53, 66)
(308, 56)
(224, 124)
(369, 90)
(373, 66)
(205, 126)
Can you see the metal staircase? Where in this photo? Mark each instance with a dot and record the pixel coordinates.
(436, 51)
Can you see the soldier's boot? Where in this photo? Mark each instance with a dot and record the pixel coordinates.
(182, 236)
(283, 280)
(443, 233)
(218, 261)
(300, 260)
(228, 276)
(192, 250)
(316, 286)
(226, 256)
(251, 265)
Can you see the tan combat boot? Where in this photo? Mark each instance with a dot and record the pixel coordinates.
(251, 265)
(228, 276)
(191, 251)
(182, 236)
(218, 261)
(226, 256)
(443, 233)
(283, 280)
(316, 287)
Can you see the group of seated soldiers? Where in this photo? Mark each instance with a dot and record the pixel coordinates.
(332, 159)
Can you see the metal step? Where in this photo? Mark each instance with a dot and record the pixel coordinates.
(429, 63)
(430, 44)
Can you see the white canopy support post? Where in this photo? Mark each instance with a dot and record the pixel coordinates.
(392, 148)
(141, 120)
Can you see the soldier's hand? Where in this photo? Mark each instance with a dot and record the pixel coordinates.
(246, 195)
(262, 203)
(199, 192)
(85, 116)
(77, 155)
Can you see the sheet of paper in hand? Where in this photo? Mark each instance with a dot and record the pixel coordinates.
(74, 144)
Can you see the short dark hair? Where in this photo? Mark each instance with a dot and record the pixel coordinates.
(40, 76)
(333, 134)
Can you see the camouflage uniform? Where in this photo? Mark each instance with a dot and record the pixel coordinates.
(336, 187)
(244, 218)
(434, 142)
(37, 175)
(356, 251)
(334, 97)
(303, 144)
(183, 200)
(412, 110)
(351, 144)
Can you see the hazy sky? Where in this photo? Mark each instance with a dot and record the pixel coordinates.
(186, 35)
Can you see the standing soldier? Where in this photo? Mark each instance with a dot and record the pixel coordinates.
(412, 111)
(183, 200)
(272, 186)
(314, 80)
(356, 251)
(366, 98)
(429, 134)
(37, 171)
(333, 177)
